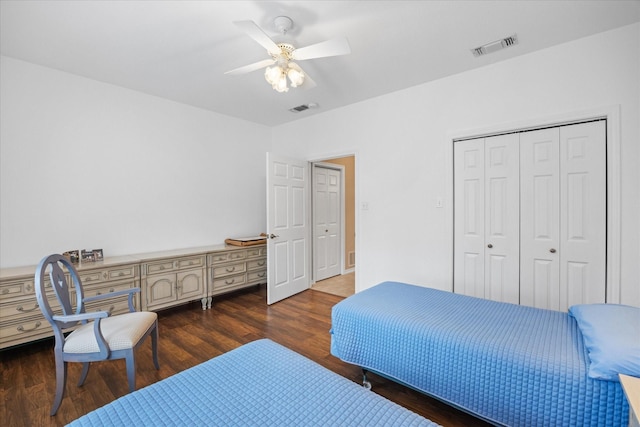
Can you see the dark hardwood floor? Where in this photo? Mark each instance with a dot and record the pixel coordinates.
(188, 336)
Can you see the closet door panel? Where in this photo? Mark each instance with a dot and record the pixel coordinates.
(469, 218)
(583, 214)
(539, 221)
(502, 225)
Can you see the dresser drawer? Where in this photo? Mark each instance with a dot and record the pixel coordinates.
(192, 262)
(159, 267)
(112, 306)
(23, 287)
(24, 330)
(174, 265)
(107, 274)
(257, 276)
(25, 307)
(256, 252)
(226, 270)
(228, 256)
(95, 290)
(228, 282)
(256, 264)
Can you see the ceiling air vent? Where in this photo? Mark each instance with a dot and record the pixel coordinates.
(495, 46)
(299, 108)
(303, 107)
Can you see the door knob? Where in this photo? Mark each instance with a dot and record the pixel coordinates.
(489, 245)
(553, 251)
(272, 236)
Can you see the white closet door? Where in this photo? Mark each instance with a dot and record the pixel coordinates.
(502, 218)
(563, 221)
(582, 214)
(468, 276)
(487, 219)
(539, 223)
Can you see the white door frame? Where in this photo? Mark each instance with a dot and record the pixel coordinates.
(339, 168)
(612, 114)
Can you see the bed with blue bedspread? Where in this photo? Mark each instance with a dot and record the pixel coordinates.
(260, 383)
(507, 364)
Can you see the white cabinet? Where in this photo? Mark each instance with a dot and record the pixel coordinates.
(171, 281)
(530, 216)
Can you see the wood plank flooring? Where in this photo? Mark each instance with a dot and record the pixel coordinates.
(188, 336)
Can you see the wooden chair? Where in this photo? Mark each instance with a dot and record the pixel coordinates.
(106, 337)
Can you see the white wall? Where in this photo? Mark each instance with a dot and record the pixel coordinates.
(85, 164)
(402, 144)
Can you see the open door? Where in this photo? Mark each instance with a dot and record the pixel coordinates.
(288, 228)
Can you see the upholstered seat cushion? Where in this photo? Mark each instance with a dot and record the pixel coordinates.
(121, 332)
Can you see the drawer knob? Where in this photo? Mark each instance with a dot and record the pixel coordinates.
(121, 274)
(229, 281)
(230, 269)
(261, 263)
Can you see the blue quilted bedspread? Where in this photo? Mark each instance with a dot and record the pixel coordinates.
(259, 384)
(508, 364)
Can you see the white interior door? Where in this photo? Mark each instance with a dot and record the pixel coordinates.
(327, 214)
(288, 255)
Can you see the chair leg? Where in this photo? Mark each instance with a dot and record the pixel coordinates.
(131, 370)
(61, 382)
(154, 345)
(83, 374)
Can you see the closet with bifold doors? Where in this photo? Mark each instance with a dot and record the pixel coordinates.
(530, 216)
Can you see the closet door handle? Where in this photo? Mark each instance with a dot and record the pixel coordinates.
(553, 251)
(489, 245)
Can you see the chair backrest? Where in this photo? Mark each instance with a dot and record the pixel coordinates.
(53, 265)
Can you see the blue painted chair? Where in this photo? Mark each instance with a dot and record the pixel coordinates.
(94, 336)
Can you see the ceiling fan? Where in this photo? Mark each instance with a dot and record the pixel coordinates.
(285, 72)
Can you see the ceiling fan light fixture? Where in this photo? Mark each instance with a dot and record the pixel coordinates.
(273, 74)
(295, 75)
(277, 76)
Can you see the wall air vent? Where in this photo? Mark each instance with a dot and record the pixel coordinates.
(303, 107)
(495, 46)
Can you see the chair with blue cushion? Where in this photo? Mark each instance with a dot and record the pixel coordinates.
(94, 336)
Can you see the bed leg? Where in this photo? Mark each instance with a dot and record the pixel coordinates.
(365, 382)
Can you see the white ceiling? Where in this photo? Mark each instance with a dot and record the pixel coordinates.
(179, 50)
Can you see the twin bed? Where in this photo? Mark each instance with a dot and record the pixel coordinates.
(260, 383)
(507, 364)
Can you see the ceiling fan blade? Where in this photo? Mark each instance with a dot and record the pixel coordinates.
(251, 67)
(333, 47)
(256, 33)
